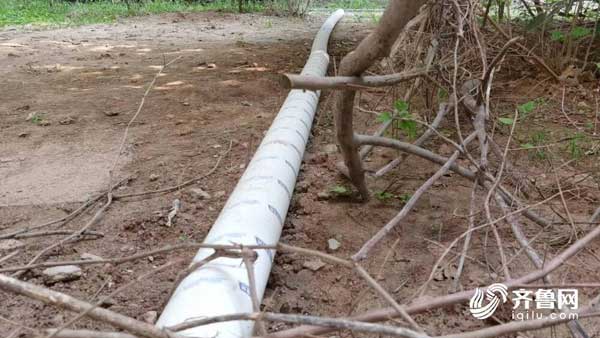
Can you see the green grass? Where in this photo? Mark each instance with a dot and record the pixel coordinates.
(63, 13)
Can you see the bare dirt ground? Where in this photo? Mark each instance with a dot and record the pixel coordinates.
(80, 86)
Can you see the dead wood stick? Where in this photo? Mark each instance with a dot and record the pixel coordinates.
(383, 293)
(371, 243)
(19, 327)
(463, 255)
(412, 149)
(91, 308)
(9, 256)
(486, 81)
(335, 323)
(442, 111)
(536, 58)
(179, 186)
(364, 151)
(595, 216)
(248, 257)
(62, 300)
(97, 216)
(420, 19)
(87, 334)
(497, 180)
(326, 257)
(64, 219)
(464, 234)
(121, 260)
(94, 234)
(133, 118)
(361, 272)
(519, 178)
(309, 82)
(574, 326)
(376, 45)
(519, 235)
(428, 303)
(433, 157)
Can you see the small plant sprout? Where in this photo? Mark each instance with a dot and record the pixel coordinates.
(574, 146)
(384, 117)
(442, 94)
(403, 120)
(340, 190)
(506, 121)
(404, 198)
(384, 195)
(34, 118)
(527, 107)
(535, 146)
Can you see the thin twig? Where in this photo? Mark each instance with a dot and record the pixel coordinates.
(48, 296)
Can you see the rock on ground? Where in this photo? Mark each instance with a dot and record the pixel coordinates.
(64, 273)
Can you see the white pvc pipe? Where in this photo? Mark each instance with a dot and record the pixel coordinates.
(254, 214)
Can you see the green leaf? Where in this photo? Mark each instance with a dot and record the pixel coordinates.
(598, 65)
(384, 195)
(527, 146)
(384, 117)
(405, 198)
(408, 124)
(580, 32)
(557, 36)
(340, 190)
(442, 93)
(527, 107)
(401, 106)
(507, 121)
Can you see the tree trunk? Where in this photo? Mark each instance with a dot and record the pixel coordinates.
(374, 46)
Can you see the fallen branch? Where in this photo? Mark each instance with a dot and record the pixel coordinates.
(435, 158)
(442, 111)
(179, 186)
(370, 244)
(121, 260)
(376, 45)
(334, 323)
(136, 281)
(529, 53)
(428, 303)
(97, 216)
(63, 220)
(366, 150)
(87, 334)
(133, 118)
(48, 296)
(463, 255)
(93, 234)
(248, 257)
(309, 82)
